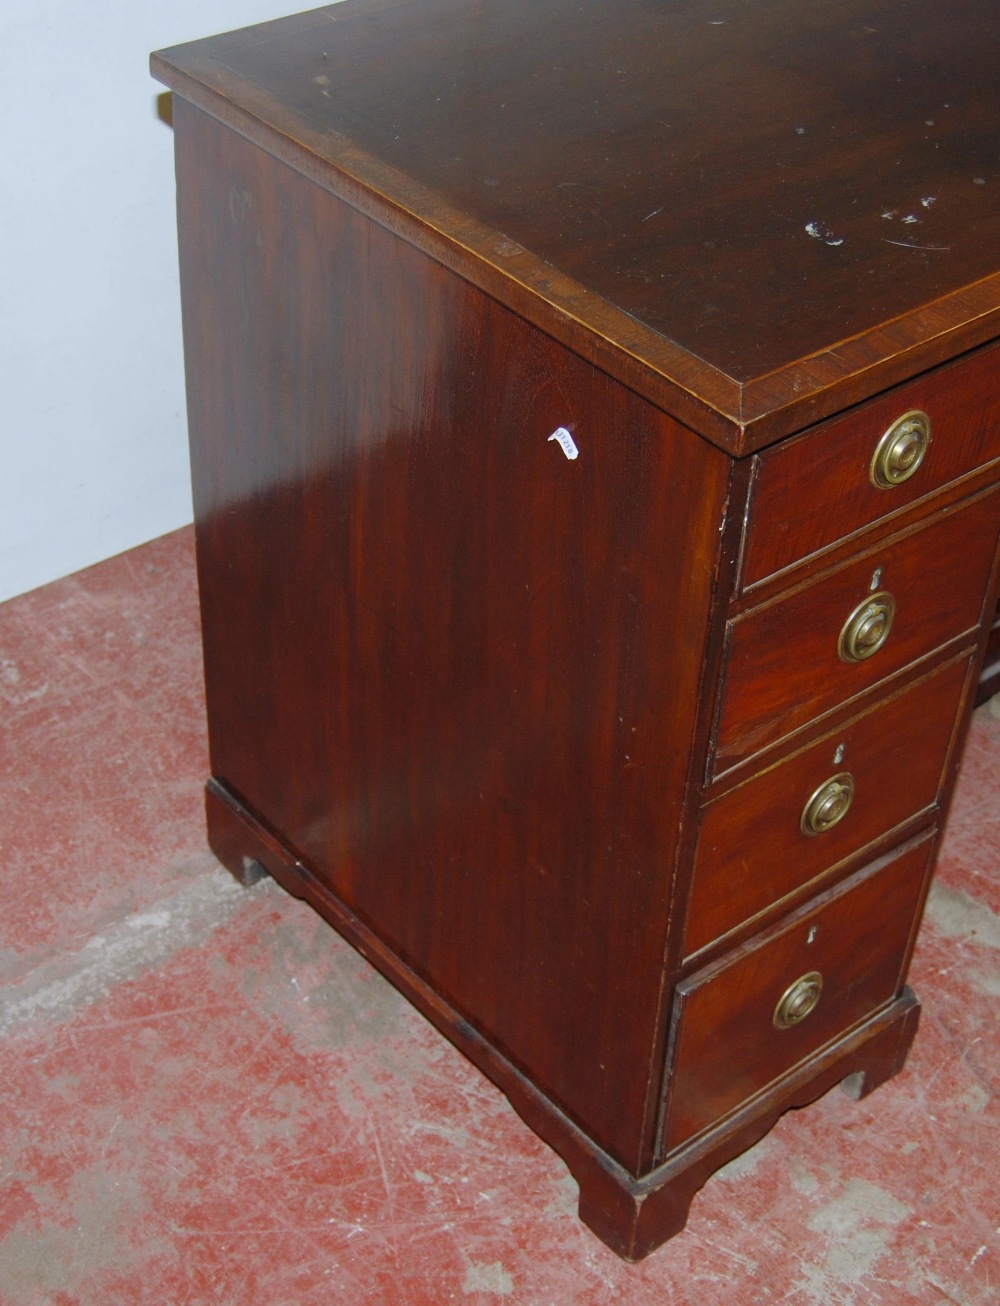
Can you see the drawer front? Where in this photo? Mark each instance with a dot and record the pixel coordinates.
(818, 489)
(784, 662)
(766, 839)
(728, 1044)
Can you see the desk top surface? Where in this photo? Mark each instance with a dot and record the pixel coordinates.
(777, 207)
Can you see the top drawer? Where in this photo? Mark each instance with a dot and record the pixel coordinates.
(818, 489)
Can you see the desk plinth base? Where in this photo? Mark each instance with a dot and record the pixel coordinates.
(633, 1216)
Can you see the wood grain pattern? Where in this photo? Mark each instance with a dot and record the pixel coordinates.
(726, 1048)
(752, 853)
(632, 1215)
(433, 641)
(635, 1218)
(770, 256)
(784, 669)
(813, 491)
(472, 687)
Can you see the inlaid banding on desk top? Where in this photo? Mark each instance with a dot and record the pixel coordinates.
(751, 183)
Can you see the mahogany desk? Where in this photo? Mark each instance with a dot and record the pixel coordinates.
(595, 425)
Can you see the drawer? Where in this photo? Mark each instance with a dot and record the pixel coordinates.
(850, 950)
(811, 492)
(784, 664)
(764, 840)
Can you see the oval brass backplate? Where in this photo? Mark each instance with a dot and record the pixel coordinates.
(901, 450)
(867, 628)
(798, 1000)
(829, 805)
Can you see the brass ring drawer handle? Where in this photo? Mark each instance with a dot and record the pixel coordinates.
(798, 1000)
(829, 804)
(901, 450)
(867, 628)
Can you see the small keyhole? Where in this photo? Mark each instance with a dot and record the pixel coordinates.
(812, 934)
(876, 579)
(838, 756)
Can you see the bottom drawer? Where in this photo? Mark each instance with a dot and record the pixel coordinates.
(758, 1012)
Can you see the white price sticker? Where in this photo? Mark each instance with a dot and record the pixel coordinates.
(566, 442)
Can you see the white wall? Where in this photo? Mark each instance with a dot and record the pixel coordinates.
(93, 453)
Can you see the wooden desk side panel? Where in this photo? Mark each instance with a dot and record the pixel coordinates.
(454, 669)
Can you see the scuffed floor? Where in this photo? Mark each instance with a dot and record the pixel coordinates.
(207, 1097)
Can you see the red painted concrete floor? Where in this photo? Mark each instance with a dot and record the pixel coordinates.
(209, 1098)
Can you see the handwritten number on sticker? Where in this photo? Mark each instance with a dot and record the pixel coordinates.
(566, 442)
